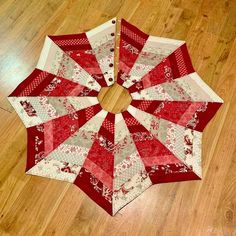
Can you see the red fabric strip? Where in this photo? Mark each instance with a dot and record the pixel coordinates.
(35, 151)
(107, 129)
(205, 116)
(94, 189)
(37, 75)
(171, 173)
(67, 37)
(103, 159)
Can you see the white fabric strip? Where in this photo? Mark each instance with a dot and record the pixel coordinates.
(102, 40)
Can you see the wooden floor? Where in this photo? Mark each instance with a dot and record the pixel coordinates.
(38, 206)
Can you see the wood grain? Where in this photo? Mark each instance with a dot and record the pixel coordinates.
(37, 206)
(115, 98)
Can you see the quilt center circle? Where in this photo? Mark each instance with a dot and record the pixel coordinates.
(115, 98)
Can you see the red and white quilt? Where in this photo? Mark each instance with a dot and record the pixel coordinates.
(113, 158)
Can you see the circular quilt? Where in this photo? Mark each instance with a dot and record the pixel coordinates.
(114, 134)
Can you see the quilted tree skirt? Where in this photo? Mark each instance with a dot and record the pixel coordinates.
(113, 156)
